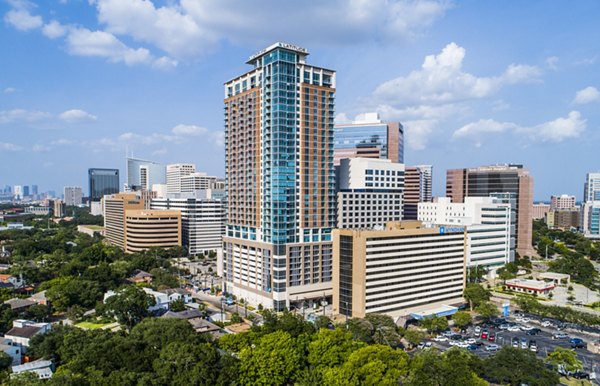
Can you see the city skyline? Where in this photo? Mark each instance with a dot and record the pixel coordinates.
(85, 82)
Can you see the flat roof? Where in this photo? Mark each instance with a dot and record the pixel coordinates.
(442, 310)
(291, 47)
(554, 275)
(536, 285)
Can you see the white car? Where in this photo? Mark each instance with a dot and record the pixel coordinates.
(463, 344)
(440, 338)
(527, 328)
(514, 328)
(471, 341)
(453, 342)
(546, 323)
(477, 330)
(492, 347)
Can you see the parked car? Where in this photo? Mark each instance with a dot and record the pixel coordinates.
(504, 326)
(533, 331)
(471, 341)
(484, 334)
(492, 337)
(560, 335)
(492, 347)
(533, 346)
(515, 342)
(524, 343)
(526, 327)
(456, 337)
(440, 338)
(577, 343)
(472, 347)
(546, 323)
(514, 328)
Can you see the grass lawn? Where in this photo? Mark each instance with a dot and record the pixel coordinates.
(90, 325)
(574, 382)
(94, 227)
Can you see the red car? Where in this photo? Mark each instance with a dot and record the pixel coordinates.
(484, 334)
(492, 337)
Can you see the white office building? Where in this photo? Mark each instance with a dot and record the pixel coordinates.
(175, 172)
(197, 181)
(487, 222)
(142, 174)
(202, 221)
(591, 188)
(369, 192)
(590, 219)
(73, 195)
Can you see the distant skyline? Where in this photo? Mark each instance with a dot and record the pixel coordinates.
(474, 83)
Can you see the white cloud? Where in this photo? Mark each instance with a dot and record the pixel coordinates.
(587, 95)
(9, 90)
(586, 61)
(22, 20)
(556, 130)
(21, 115)
(161, 151)
(442, 80)
(83, 42)
(62, 141)
(76, 115)
(418, 132)
(6, 146)
(189, 130)
(551, 62)
(54, 30)
(342, 118)
(40, 148)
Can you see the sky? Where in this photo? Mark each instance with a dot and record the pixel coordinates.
(83, 82)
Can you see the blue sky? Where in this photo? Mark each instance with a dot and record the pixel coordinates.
(473, 82)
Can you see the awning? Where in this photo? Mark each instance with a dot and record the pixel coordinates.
(442, 310)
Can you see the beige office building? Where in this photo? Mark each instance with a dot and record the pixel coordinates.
(399, 270)
(539, 211)
(151, 228)
(115, 206)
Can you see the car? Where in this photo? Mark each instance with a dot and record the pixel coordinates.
(577, 343)
(492, 337)
(453, 343)
(421, 345)
(428, 344)
(440, 338)
(579, 374)
(448, 333)
(484, 334)
(477, 329)
(504, 326)
(533, 331)
(546, 323)
(456, 337)
(533, 346)
(526, 327)
(524, 343)
(463, 344)
(560, 335)
(492, 347)
(515, 342)
(471, 341)
(472, 347)
(514, 328)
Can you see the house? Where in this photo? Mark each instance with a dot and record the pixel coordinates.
(140, 276)
(19, 305)
(23, 330)
(40, 298)
(12, 350)
(194, 317)
(42, 368)
(178, 294)
(161, 299)
(10, 279)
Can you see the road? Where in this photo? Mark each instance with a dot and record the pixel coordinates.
(215, 302)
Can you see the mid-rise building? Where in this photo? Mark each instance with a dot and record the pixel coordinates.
(398, 270)
(115, 207)
(142, 174)
(498, 179)
(487, 222)
(369, 137)
(73, 195)
(102, 182)
(202, 221)
(590, 217)
(151, 228)
(18, 192)
(539, 211)
(59, 208)
(26, 191)
(175, 172)
(417, 188)
(197, 181)
(369, 192)
(34, 190)
(564, 218)
(591, 188)
(280, 179)
(564, 201)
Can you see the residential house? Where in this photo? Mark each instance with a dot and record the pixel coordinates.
(12, 350)
(42, 368)
(194, 317)
(140, 276)
(19, 305)
(10, 279)
(178, 294)
(40, 298)
(23, 330)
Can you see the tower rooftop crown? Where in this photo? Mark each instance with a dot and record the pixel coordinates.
(291, 47)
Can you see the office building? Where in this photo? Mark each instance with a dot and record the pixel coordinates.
(369, 137)
(202, 221)
(591, 219)
(564, 218)
(34, 190)
(142, 174)
(539, 211)
(102, 182)
(197, 181)
(59, 208)
(160, 190)
(151, 228)
(73, 195)
(488, 224)
(369, 192)
(564, 201)
(26, 191)
(18, 192)
(498, 180)
(115, 207)
(175, 172)
(417, 188)
(591, 188)
(398, 270)
(280, 179)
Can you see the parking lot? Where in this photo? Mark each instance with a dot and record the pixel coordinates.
(543, 339)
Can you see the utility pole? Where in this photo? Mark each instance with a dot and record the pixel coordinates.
(323, 303)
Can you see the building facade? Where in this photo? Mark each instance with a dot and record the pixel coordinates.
(539, 211)
(590, 219)
(175, 172)
(369, 137)
(115, 207)
(202, 221)
(564, 218)
(398, 270)
(369, 192)
(280, 178)
(142, 174)
(73, 195)
(151, 228)
(417, 188)
(197, 181)
(591, 188)
(102, 182)
(498, 180)
(564, 201)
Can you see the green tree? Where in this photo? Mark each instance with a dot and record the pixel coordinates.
(462, 319)
(435, 324)
(5, 361)
(487, 310)
(38, 312)
(187, 364)
(130, 305)
(505, 275)
(515, 367)
(453, 367)
(370, 365)
(414, 337)
(566, 358)
(275, 360)
(177, 305)
(331, 348)
(476, 294)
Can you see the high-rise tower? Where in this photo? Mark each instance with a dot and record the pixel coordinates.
(280, 179)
